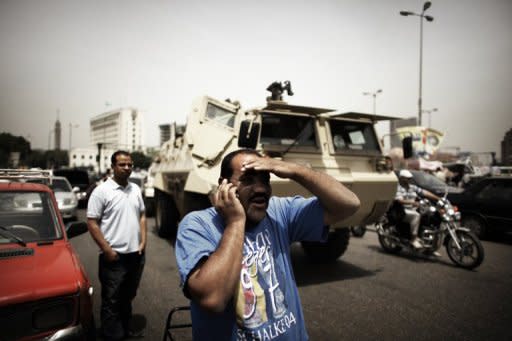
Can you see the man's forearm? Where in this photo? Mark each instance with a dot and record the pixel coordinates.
(97, 236)
(215, 281)
(337, 200)
(143, 231)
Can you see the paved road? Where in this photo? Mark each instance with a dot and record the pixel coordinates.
(366, 294)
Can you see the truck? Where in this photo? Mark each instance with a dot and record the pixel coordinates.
(45, 292)
(343, 145)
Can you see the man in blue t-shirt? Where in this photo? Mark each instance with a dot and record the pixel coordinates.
(234, 258)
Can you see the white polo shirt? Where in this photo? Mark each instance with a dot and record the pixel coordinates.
(118, 210)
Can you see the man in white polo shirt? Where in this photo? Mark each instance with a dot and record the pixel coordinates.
(117, 223)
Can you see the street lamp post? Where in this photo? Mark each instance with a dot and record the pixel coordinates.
(422, 16)
(374, 95)
(98, 158)
(71, 126)
(429, 112)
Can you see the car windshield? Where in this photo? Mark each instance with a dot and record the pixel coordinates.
(286, 130)
(353, 136)
(60, 185)
(30, 216)
(57, 185)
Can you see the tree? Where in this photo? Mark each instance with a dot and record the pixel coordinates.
(36, 158)
(11, 144)
(140, 160)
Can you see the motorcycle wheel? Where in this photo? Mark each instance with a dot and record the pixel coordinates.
(358, 230)
(389, 244)
(471, 253)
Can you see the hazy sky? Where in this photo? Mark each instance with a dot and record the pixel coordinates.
(159, 55)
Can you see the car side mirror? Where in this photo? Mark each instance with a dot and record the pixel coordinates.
(407, 147)
(76, 228)
(248, 134)
(75, 189)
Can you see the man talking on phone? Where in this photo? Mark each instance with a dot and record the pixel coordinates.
(234, 258)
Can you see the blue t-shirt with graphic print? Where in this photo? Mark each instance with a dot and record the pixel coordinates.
(267, 304)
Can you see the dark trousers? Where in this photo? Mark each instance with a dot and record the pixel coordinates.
(119, 282)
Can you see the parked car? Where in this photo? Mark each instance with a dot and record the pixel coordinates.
(486, 205)
(145, 182)
(77, 178)
(431, 183)
(65, 195)
(45, 292)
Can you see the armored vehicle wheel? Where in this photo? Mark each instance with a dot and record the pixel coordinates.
(358, 230)
(166, 215)
(330, 251)
(150, 207)
(195, 202)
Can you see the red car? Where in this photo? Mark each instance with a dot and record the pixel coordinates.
(45, 292)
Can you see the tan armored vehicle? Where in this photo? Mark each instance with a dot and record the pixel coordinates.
(343, 145)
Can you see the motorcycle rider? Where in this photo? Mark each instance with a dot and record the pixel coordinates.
(406, 194)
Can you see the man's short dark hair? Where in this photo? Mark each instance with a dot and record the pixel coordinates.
(113, 158)
(226, 170)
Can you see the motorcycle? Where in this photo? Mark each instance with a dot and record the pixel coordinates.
(439, 225)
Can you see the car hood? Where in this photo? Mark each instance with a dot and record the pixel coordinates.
(51, 270)
(440, 190)
(458, 198)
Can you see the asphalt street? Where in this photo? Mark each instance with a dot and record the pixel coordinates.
(366, 295)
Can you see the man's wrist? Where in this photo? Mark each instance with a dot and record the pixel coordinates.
(236, 225)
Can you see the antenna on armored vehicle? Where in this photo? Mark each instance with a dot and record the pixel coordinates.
(277, 89)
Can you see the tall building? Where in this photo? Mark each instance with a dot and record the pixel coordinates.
(506, 149)
(58, 134)
(88, 158)
(118, 129)
(165, 133)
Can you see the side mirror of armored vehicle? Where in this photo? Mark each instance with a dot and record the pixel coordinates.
(248, 135)
(407, 147)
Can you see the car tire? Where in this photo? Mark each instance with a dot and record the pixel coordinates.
(90, 331)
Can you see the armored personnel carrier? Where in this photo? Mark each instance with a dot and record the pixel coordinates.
(343, 145)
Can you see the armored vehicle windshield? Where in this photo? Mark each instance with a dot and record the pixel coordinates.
(353, 137)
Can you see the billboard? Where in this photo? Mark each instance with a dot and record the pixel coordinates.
(425, 141)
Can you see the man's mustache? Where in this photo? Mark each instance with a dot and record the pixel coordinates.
(265, 196)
